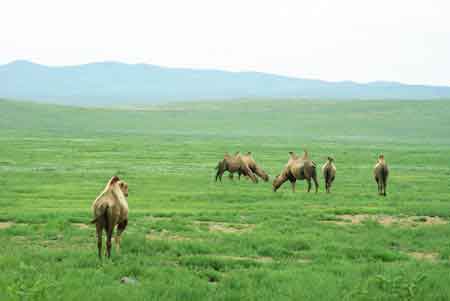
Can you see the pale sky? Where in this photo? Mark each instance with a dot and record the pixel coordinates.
(360, 40)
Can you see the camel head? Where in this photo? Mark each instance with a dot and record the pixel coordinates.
(277, 182)
(330, 159)
(265, 176)
(124, 187)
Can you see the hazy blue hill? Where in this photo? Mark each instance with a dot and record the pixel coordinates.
(113, 82)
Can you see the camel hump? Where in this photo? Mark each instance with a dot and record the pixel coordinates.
(113, 180)
(305, 154)
(293, 155)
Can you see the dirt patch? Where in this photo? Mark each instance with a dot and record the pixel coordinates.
(5, 225)
(387, 220)
(346, 219)
(425, 256)
(19, 238)
(165, 235)
(80, 226)
(226, 227)
(157, 218)
(261, 259)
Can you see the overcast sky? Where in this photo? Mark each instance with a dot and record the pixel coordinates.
(360, 40)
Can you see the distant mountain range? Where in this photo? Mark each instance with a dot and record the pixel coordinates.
(118, 83)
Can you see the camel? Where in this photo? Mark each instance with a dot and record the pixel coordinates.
(110, 209)
(251, 163)
(297, 168)
(329, 173)
(234, 164)
(381, 173)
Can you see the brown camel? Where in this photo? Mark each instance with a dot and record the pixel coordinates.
(251, 163)
(297, 168)
(381, 173)
(234, 164)
(329, 173)
(110, 209)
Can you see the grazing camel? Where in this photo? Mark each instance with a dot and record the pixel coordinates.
(110, 209)
(381, 173)
(251, 163)
(297, 168)
(329, 173)
(234, 164)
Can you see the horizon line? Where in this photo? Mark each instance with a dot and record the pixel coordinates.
(31, 62)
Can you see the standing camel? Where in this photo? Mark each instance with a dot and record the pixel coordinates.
(255, 168)
(381, 173)
(110, 209)
(234, 164)
(297, 168)
(329, 173)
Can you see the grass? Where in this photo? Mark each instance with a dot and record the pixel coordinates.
(192, 239)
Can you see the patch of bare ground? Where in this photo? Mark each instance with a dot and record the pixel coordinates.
(5, 225)
(19, 238)
(157, 218)
(387, 220)
(425, 256)
(165, 235)
(80, 226)
(226, 227)
(261, 259)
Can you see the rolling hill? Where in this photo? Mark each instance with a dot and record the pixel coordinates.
(106, 83)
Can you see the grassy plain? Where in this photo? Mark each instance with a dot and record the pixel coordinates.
(192, 239)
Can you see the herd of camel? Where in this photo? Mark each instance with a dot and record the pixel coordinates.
(297, 168)
(110, 208)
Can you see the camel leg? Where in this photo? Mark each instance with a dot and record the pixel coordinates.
(120, 228)
(99, 228)
(219, 174)
(109, 234)
(110, 223)
(309, 184)
(384, 187)
(316, 184)
(248, 172)
(293, 185)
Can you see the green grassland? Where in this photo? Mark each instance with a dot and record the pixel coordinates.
(190, 238)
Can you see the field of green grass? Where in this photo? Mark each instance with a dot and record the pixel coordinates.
(190, 238)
